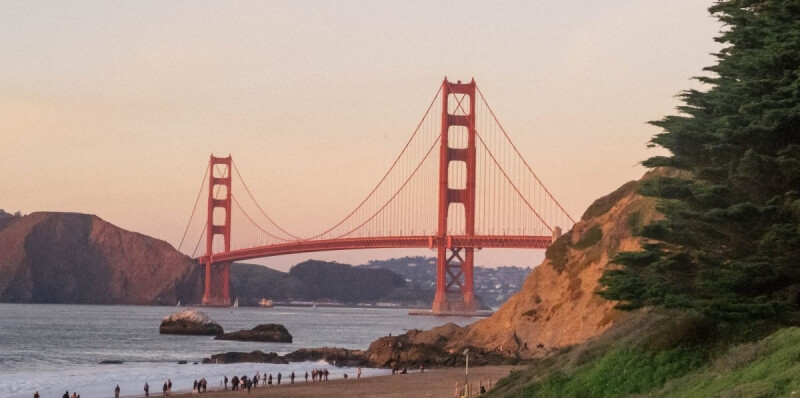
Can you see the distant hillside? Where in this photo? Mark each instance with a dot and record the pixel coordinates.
(79, 258)
(313, 281)
(493, 286)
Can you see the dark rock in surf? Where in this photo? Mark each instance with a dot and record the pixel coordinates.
(269, 333)
(255, 356)
(332, 355)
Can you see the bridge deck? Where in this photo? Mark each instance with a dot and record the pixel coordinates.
(388, 242)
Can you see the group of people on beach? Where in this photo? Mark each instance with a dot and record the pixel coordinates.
(247, 383)
(238, 383)
(199, 386)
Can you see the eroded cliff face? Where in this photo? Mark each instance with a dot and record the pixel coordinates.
(78, 258)
(557, 305)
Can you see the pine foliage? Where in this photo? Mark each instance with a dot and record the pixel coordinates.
(729, 245)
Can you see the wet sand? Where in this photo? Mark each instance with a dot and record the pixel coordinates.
(432, 383)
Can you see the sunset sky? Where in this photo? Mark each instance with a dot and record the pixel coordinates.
(113, 108)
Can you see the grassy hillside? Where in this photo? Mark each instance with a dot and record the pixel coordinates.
(665, 355)
(766, 368)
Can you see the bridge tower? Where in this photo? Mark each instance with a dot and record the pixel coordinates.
(454, 276)
(217, 280)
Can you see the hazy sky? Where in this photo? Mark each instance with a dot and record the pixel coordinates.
(113, 108)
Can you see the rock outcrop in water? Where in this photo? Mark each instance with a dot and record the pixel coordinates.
(333, 356)
(190, 322)
(255, 356)
(269, 333)
(78, 258)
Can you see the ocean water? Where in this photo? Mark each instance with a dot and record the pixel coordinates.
(58, 348)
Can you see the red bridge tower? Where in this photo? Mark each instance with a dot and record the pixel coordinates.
(217, 289)
(454, 276)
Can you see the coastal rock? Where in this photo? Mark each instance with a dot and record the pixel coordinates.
(439, 347)
(255, 356)
(191, 322)
(269, 333)
(334, 356)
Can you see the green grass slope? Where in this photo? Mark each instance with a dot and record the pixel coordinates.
(765, 368)
(665, 355)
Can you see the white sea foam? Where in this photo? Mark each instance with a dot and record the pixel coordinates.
(100, 380)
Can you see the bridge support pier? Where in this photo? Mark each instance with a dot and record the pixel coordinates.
(217, 285)
(454, 290)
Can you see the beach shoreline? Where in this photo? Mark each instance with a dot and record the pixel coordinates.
(431, 383)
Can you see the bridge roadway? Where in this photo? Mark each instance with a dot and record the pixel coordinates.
(388, 242)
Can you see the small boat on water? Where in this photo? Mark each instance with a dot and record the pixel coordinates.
(266, 303)
(235, 303)
(179, 304)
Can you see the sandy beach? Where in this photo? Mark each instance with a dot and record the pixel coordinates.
(431, 383)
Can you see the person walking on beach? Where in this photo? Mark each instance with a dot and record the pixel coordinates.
(325, 372)
(306, 376)
(36, 394)
(292, 378)
(66, 394)
(116, 391)
(225, 382)
(269, 380)
(146, 389)
(358, 373)
(169, 386)
(165, 388)
(279, 378)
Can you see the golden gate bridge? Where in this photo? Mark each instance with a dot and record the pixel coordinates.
(479, 192)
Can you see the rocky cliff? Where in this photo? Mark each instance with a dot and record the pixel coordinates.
(557, 305)
(78, 258)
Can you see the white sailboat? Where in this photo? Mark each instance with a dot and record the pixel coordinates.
(179, 304)
(235, 303)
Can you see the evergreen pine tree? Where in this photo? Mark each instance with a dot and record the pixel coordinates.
(729, 245)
